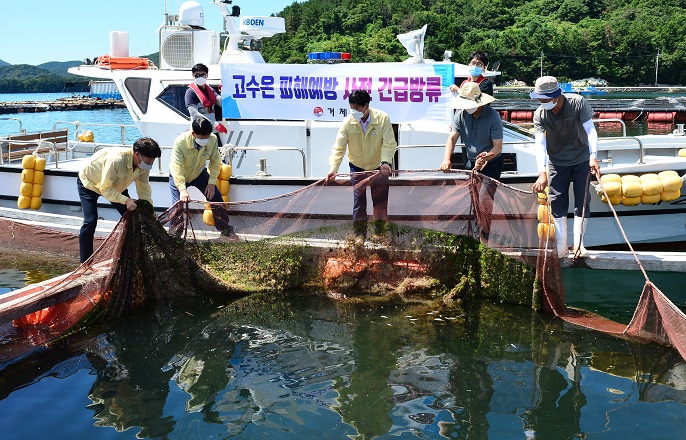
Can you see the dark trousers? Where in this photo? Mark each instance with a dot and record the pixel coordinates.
(89, 205)
(560, 178)
(379, 188)
(220, 214)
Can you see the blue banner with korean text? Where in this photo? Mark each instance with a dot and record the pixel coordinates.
(407, 92)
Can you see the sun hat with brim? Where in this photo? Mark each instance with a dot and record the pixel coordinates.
(546, 87)
(470, 96)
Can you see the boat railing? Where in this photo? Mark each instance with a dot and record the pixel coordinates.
(232, 149)
(11, 118)
(80, 126)
(40, 147)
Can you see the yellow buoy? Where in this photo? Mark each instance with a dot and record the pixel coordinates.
(38, 177)
(543, 215)
(631, 201)
(682, 152)
(671, 183)
(208, 217)
(666, 173)
(652, 187)
(668, 196)
(27, 176)
(28, 162)
(40, 164)
(225, 172)
(546, 229)
(24, 202)
(650, 199)
(36, 202)
(223, 187)
(632, 189)
(86, 136)
(208, 205)
(542, 198)
(630, 178)
(648, 176)
(614, 200)
(225, 199)
(613, 189)
(25, 189)
(36, 190)
(610, 178)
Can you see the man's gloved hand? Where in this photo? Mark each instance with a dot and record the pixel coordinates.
(220, 128)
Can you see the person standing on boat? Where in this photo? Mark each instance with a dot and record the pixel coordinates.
(202, 100)
(564, 132)
(190, 153)
(367, 135)
(478, 63)
(481, 130)
(108, 173)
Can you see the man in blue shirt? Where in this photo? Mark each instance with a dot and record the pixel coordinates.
(481, 130)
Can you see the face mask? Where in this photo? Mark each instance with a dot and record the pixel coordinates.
(202, 142)
(145, 166)
(549, 105)
(471, 111)
(356, 114)
(200, 81)
(475, 70)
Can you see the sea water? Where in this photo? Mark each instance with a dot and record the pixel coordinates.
(105, 123)
(298, 366)
(302, 366)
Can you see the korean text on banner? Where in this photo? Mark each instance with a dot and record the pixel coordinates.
(407, 92)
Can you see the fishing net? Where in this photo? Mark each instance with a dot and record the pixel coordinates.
(136, 267)
(448, 237)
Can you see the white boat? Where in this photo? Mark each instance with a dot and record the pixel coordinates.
(278, 155)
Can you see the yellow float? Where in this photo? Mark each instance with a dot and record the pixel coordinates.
(605, 178)
(650, 199)
(668, 196)
(543, 214)
(546, 229)
(631, 201)
(632, 189)
(652, 187)
(208, 217)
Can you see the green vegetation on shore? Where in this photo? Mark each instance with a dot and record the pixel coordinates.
(616, 40)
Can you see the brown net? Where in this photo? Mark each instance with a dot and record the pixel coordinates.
(455, 236)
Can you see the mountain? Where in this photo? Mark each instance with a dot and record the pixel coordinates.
(4, 63)
(59, 67)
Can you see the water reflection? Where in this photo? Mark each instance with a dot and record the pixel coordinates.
(308, 367)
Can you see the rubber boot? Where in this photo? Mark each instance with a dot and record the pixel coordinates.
(580, 224)
(561, 235)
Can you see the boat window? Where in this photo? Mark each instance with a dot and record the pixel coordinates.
(173, 97)
(139, 89)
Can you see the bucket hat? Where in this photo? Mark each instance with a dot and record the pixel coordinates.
(470, 96)
(546, 87)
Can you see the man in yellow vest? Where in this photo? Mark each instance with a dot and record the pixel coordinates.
(108, 173)
(188, 167)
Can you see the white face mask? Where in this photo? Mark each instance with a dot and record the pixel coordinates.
(200, 81)
(549, 105)
(471, 111)
(145, 166)
(202, 142)
(357, 114)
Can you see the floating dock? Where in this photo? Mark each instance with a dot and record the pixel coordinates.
(668, 109)
(75, 103)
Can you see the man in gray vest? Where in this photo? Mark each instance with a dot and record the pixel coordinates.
(564, 131)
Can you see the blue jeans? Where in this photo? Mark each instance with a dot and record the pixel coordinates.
(89, 205)
(379, 189)
(221, 215)
(560, 178)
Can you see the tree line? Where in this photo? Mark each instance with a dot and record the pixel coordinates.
(617, 40)
(622, 41)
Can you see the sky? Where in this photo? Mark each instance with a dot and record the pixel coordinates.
(38, 31)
